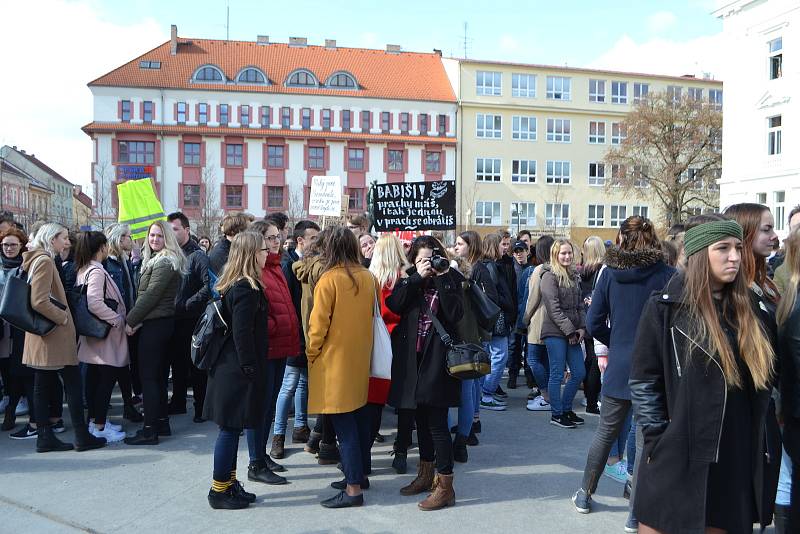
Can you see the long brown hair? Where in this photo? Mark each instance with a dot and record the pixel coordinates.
(341, 250)
(754, 346)
(491, 247)
(792, 262)
(636, 233)
(748, 215)
(242, 262)
(474, 246)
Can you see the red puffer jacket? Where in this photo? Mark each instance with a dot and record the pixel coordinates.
(282, 325)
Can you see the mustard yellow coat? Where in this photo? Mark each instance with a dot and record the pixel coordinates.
(340, 341)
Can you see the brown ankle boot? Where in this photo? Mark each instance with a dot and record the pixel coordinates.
(277, 451)
(442, 495)
(423, 482)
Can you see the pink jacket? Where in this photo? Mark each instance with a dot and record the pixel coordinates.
(112, 350)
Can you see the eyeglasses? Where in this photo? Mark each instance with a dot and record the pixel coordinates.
(12, 245)
(271, 237)
(265, 249)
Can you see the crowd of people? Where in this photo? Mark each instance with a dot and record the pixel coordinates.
(686, 348)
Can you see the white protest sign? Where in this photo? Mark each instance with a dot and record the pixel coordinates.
(326, 196)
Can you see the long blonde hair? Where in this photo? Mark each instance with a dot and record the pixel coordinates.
(594, 251)
(792, 262)
(171, 252)
(388, 260)
(754, 346)
(242, 262)
(565, 276)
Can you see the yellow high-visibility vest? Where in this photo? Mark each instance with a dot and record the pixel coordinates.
(139, 206)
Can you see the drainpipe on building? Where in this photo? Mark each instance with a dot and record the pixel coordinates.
(161, 151)
(460, 152)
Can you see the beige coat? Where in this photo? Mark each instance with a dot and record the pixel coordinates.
(113, 350)
(534, 309)
(59, 347)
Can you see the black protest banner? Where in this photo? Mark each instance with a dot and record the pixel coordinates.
(414, 206)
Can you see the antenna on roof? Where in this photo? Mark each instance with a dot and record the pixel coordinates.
(465, 39)
(228, 22)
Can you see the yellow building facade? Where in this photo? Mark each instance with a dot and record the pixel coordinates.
(532, 140)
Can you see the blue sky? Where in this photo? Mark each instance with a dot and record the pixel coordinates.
(60, 45)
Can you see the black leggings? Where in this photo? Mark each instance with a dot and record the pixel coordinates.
(154, 339)
(591, 384)
(100, 380)
(183, 370)
(22, 386)
(435, 443)
(405, 428)
(45, 392)
(323, 425)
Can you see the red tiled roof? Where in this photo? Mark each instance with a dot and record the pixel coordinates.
(111, 127)
(84, 199)
(380, 74)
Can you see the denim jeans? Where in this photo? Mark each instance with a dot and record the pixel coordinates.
(225, 451)
(614, 415)
(498, 352)
(469, 405)
(354, 430)
(257, 438)
(561, 354)
(539, 364)
(295, 384)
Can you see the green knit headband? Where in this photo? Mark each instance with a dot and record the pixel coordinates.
(706, 234)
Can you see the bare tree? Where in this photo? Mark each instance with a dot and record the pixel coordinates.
(295, 205)
(210, 211)
(671, 154)
(104, 210)
(469, 199)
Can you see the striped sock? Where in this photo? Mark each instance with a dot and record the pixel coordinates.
(220, 487)
(233, 476)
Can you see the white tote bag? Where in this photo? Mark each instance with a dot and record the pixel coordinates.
(381, 364)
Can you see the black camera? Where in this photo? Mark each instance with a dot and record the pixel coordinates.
(440, 264)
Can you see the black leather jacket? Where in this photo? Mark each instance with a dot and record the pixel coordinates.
(194, 292)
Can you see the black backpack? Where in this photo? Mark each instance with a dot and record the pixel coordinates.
(209, 336)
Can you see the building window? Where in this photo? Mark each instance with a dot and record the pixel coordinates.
(488, 169)
(275, 156)
(715, 98)
(523, 85)
(642, 211)
(208, 74)
(559, 88)
(433, 163)
(619, 92)
(223, 114)
(316, 157)
(487, 213)
(366, 119)
(556, 215)
(341, 81)
(776, 58)
(489, 126)
(274, 196)
(305, 118)
(386, 121)
(619, 131)
(233, 155)
(558, 172)
(264, 117)
(181, 112)
(251, 76)
(191, 196)
(395, 160)
(618, 215)
(404, 120)
(302, 78)
(779, 209)
(597, 90)
(523, 213)
(191, 153)
(442, 124)
(640, 176)
(559, 130)
(523, 171)
(136, 151)
(202, 113)
(597, 174)
(126, 110)
(423, 123)
(618, 172)
(346, 120)
(355, 159)
(674, 93)
(640, 91)
(286, 117)
(712, 182)
(774, 135)
(234, 197)
(326, 119)
(695, 94)
(355, 200)
(244, 112)
(488, 83)
(523, 128)
(761, 198)
(597, 132)
(596, 215)
(147, 111)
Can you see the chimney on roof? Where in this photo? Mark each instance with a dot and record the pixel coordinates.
(393, 49)
(437, 52)
(262, 40)
(300, 42)
(22, 151)
(173, 40)
(330, 44)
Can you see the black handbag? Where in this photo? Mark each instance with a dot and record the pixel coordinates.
(486, 312)
(465, 361)
(86, 323)
(16, 309)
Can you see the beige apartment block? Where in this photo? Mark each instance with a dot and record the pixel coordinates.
(532, 139)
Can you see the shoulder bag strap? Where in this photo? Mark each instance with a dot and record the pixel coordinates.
(446, 339)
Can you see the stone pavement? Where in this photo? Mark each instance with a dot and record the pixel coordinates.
(519, 479)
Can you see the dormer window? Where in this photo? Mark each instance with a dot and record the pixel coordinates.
(208, 74)
(302, 78)
(251, 75)
(341, 80)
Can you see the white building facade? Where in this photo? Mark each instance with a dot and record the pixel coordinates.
(760, 156)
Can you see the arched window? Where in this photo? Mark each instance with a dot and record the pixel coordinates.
(302, 78)
(341, 80)
(251, 75)
(208, 74)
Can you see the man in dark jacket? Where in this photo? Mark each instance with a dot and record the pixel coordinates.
(232, 224)
(189, 306)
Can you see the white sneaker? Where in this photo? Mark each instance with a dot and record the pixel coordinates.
(538, 405)
(4, 404)
(22, 407)
(113, 426)
(111, 435)
(584, 402)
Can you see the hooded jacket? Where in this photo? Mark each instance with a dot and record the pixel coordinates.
(194, 292)
(619, 296)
